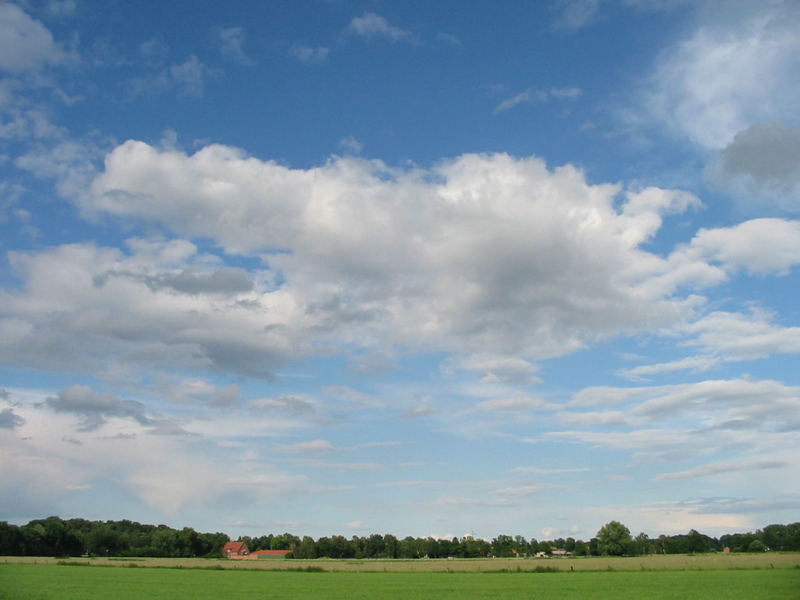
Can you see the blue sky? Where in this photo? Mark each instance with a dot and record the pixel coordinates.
(425, 269)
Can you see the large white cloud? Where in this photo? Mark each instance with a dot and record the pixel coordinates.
(483, 253)
(50, 461)
(24, 42)
(724, 337)
(159, 306)
(737, 68)
(759, 246)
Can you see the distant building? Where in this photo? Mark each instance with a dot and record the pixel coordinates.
(235, 550)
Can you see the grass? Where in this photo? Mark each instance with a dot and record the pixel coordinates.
(43, 582)
(769, 560)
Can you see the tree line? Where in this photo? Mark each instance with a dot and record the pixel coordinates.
(54, 536)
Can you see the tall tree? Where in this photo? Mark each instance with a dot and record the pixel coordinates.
(614, 539)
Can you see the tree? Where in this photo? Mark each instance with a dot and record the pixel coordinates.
(642, 544)
(614, 539)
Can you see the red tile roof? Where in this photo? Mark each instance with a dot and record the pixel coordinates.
(235, 547)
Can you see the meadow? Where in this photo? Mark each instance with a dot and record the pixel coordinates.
(70, 582)
(714, 561)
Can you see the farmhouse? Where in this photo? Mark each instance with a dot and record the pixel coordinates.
(235, 550)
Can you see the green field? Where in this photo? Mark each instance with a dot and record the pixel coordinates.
(67, 582)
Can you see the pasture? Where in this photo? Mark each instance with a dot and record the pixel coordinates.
(68, 582)
(716, 561)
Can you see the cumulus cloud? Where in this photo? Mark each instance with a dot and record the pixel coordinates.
(521, 244)
(70, 162)
(95, 407)
(370, 25)
(762, 163)
(9, 419)
(85, 307)
(228, 280)
(24, 42)
(734, 70)
(759, 246)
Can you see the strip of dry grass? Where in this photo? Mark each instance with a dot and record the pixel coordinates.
(669, 562)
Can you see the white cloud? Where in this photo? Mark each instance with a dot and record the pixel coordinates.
(521, 491)
(351, 145)
(721, 468)
(85, 307)
(496, 369)
(71, 163)
(448, 38)
(736, 69)
(576, 14)
(521, 403)
(736, 420)
(596, 418)
(310, 55)
(542, 261)
(231, 41)
(371, 25)
(313, 446)
(422, 410)
(743, 337)
(94, 407)
(168, 473)
(540, 471)
(61, 8)
(187, 79)
(532, 95)
(760, 246)
(297, 405)
(696, 364)
(24, 42)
